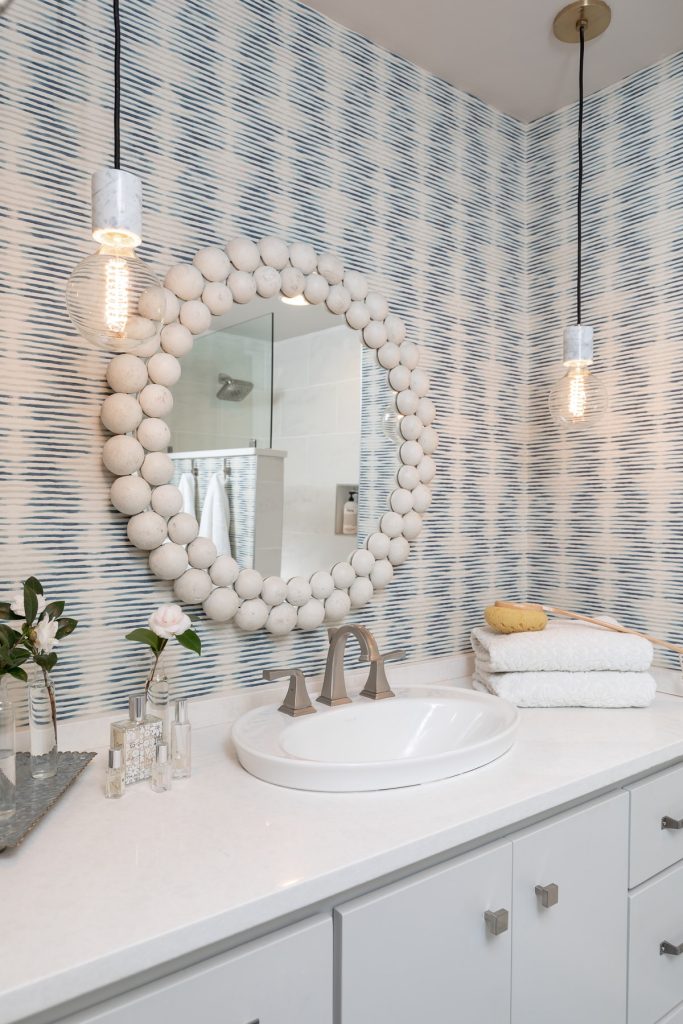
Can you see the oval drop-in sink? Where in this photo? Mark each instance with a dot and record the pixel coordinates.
(421, 735)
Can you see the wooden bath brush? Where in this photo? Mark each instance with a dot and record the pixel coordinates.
(515, 617)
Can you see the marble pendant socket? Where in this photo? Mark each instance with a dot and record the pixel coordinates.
(116, 207)
(195, 292)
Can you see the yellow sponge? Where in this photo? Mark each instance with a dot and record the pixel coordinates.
(522, 619)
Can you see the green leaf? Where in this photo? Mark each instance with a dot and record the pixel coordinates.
(55, 609)
(30, 604)
(190, 640)
(34, 584)
(6, 612)
(66, 626)
(46, 661)
(8, 635)
(17, 673)
(148, 637)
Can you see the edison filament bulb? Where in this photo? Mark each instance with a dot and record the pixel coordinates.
(113, 299)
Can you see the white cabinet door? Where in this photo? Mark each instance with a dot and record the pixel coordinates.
(285, 978)
(420, 950)
(569, 962)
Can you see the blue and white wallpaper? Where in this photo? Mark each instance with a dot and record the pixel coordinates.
(606, 508)
(255, 117)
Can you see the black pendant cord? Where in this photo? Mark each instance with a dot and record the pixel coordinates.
(117, 85)
(582, 44)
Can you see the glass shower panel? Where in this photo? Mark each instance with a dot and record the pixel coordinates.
(223, 398)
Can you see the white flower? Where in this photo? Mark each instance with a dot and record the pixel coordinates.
(46, 634)
(169, 620)
(17, 603)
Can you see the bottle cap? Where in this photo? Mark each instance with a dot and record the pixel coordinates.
(162, 753)
(181, 711)
(115, 757)
(136, 706)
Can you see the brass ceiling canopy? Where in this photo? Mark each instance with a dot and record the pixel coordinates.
(595, 15)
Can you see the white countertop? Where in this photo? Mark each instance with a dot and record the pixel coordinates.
(104, 889)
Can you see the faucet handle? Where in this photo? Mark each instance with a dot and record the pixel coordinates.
(377, 685)
(297, 701)
(396, 655)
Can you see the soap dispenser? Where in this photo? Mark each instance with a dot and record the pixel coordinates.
(137, 736)
(350, 517)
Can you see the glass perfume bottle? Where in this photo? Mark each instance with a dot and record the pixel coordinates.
(161, 769)
(137, 737)
(181, 742)
(114, 779)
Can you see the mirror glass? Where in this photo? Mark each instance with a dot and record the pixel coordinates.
(266, 429)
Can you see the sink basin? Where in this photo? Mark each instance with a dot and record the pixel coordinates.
(421, 735)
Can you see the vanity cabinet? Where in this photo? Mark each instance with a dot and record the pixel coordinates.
(423, 949)
(420, 950)
(283, 979)
(563, 921)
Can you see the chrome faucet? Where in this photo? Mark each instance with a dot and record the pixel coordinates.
(376, 686)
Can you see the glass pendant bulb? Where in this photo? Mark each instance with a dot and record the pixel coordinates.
(579, 399)
(113, 299)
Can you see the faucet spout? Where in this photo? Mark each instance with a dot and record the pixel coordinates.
(334, 691)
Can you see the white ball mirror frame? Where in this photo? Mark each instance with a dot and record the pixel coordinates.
(141, 383)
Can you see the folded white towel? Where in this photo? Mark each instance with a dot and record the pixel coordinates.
(215, 521)
(569, 689)
(561, 647)
(188, 489)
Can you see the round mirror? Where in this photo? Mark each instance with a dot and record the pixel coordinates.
(242, 446)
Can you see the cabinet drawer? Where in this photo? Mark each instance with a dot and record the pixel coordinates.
(285, 978)
(420, 950)
(654, 848)
(655, 981)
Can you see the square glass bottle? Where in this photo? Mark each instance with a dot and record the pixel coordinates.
(137, 736)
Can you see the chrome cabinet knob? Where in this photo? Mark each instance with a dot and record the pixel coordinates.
(497, 921)
(549, 894)
(673, 823)
(668, 949)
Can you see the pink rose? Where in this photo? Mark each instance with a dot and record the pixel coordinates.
(168, 621)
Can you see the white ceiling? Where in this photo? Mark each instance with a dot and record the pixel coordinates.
(505, 53)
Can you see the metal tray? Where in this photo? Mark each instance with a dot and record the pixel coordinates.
(35, 797)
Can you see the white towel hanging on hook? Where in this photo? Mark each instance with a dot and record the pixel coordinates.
(215, 521)
(187, 486)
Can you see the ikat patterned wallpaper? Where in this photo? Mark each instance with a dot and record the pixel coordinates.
(255, 117)
(260, 117)
(606, 523)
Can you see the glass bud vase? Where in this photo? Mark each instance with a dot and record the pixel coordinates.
(42, 710)
(8, 779)
(158, 702)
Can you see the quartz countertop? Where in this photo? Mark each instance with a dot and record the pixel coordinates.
(105, 889)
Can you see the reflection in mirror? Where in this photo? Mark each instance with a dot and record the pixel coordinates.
(266, 437)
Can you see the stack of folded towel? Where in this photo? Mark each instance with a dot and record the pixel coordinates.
(567, 664)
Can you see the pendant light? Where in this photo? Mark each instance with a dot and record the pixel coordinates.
(579, 399)
(113, 299)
